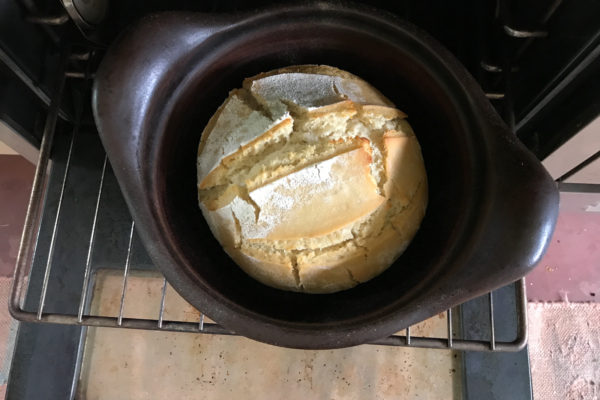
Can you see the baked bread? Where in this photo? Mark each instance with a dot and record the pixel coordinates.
(310, 179)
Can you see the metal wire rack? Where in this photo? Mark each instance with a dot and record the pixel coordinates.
(43, 302)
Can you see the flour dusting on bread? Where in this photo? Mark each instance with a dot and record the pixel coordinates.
(310, 179)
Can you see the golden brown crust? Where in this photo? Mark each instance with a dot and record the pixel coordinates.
(217, 174)
(343, 108)
(324, 244)
(345, 267)
(407, 223)
(213, 121)
(382, 111)
(273, 269)
(317, 207)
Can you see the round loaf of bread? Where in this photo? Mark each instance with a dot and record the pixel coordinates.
(310, 179)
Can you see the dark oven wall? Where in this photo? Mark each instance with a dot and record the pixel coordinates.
(538, 59)
(460, 25)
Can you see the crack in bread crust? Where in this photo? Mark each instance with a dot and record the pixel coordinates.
(296, 271)
(292, 152)
(351, 276)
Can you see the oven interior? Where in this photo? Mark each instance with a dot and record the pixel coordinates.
(49, 51)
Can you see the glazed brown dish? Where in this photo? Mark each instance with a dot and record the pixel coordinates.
(492, 207)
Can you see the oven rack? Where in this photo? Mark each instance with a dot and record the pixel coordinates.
(52, 285)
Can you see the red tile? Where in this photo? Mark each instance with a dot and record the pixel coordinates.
(16, 178)
(571, 267)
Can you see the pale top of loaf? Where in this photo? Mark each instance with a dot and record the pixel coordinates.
(313, 201)
(311, 190)
(250, 111)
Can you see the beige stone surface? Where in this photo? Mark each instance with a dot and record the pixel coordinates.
(564, 349)
(132, 364)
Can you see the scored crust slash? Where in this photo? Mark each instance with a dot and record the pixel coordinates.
(310, 179)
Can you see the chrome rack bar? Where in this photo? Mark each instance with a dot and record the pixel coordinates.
(55, 229)
(162, 303)
(88, 261)
(492, 329)
(450, 333)
(126, 274)
(28, 243)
